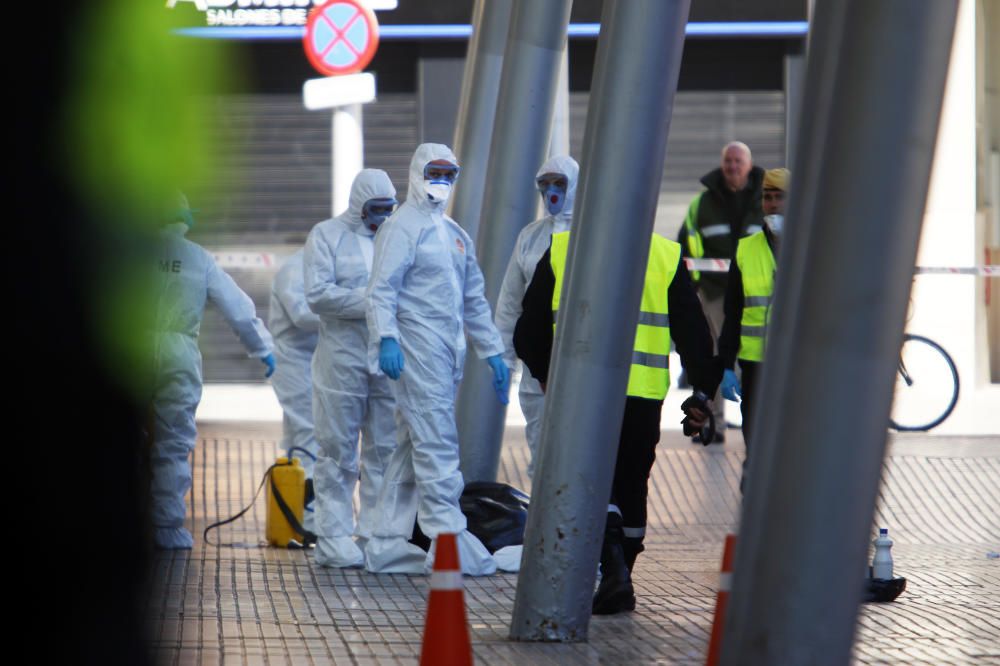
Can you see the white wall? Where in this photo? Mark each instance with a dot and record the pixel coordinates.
(949, 308)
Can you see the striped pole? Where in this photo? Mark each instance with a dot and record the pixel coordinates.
(715, 642)
(446, 632)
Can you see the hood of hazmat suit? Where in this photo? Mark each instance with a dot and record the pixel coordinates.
(565, 166)
(531, 244)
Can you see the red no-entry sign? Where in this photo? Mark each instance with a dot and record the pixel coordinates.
(341, 37)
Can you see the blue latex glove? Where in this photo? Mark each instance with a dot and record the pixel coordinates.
(269, 362)
(390, 358)
(501, 377)
(731, 389)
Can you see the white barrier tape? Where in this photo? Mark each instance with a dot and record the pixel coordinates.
(725, 581)
(722, 266)
(446, 580)
(245, 259)
(707, 265)
(957, 270)
(267, 260)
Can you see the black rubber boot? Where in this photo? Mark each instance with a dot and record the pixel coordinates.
(615, 593)
(632, 546)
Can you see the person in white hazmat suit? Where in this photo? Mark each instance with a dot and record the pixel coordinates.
(348, 399)
(187, 277)
(556, 181)
(426, 287)
(295, 329)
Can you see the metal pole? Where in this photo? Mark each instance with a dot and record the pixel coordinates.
(520, 144)
(631, 101)
(794, 74)
(874, 87)
(477, 108)
(348, 150)
(821, 66)
(559, 141)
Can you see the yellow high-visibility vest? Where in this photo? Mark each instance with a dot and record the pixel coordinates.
(757, 265)
(649, 376)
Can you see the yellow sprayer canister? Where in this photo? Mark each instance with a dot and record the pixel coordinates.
(290, 479)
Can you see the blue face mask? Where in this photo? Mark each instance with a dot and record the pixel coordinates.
(552, 187)
(554, 198)
(375, 212)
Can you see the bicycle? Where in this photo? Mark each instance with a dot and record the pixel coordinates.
(926, 385)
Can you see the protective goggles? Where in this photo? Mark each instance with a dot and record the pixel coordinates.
(379, 207)
(445, 173)
(556, 180)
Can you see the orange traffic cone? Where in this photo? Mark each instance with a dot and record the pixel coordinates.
(446, 633)
(715, 642)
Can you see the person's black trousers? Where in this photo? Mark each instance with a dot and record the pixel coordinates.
(749, 374)
(636, 453)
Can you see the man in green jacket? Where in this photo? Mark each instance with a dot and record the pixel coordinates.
(726, 211)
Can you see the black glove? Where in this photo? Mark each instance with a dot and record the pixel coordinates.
(699, 401)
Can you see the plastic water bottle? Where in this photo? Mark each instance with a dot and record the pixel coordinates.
(882, 562)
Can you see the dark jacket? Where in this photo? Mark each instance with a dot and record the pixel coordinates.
(533, 334)
(721, 218)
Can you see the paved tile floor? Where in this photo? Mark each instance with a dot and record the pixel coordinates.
(244, 603)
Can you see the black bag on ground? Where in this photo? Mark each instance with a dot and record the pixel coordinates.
(496, 515)
(880, 590)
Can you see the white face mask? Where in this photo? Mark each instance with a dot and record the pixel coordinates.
(437, 191)
(775, 223)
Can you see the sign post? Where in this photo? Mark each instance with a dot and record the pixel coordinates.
(340, 40)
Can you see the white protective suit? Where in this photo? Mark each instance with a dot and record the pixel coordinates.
(295, 329)
(425, 287)
(348, 399)
(188, 277)
(532, 243)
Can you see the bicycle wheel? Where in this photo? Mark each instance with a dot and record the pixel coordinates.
(926, 385)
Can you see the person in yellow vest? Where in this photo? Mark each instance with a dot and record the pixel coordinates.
(748, 302)
(670, 309)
